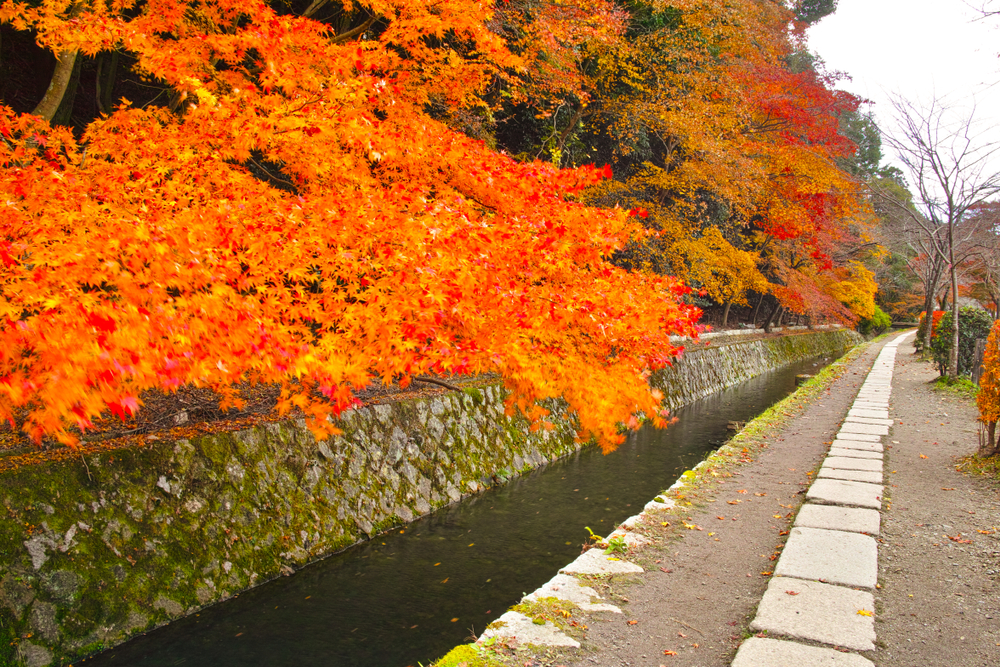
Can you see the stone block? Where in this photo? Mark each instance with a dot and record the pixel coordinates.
(830, 556)
(864, 429)
(571, 589)
(844, 463)
(761, 652)
(869, 420)
(837, 450)
(851, 475)
(864, 437)
(817, 612)
(518, 626)
(850, 494)
(871, 414)
(832, 517)
(595, 562)
(857, 445)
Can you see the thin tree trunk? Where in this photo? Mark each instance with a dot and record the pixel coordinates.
(725, 314)
(770, 318)
(107, 67)
(756, 310)
(953, 354)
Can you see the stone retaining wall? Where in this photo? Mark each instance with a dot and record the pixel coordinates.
(94, 552)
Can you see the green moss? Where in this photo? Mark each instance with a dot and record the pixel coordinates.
(961, 386)
(468, 655)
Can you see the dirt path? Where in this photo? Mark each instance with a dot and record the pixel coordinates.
(938, 601)
(940, 598)
(700, 591)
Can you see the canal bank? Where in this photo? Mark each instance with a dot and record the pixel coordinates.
(133, 539)
(687, 591)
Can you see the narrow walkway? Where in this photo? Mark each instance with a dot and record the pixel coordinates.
(823, 584)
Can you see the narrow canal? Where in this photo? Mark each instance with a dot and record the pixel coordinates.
(410, 596)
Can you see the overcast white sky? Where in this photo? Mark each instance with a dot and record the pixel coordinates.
(917, 48)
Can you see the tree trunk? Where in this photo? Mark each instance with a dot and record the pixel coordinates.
(770, 318)
(65, 65)
(725, 314)
(107, 68)
(929, 329)
(756, 311)
(988, 445)
(953, 355)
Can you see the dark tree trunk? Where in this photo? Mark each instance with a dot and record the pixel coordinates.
(725, 314)
(777, 310)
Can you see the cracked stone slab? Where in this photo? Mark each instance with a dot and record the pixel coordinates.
(518, 626)
(863, 437)
(868, 420)
(841, 492)
(858, 445)
(851, 475)
(844, 463)
(836, 450)
(760, 652)
(865, 429)
(830, 556)
(832, 517)
(817, 612)
(595, 562)
(571, 589)
(872, 414)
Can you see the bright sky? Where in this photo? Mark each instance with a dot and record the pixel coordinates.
(917, 48)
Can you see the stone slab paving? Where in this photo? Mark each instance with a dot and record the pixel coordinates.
(866, 429)
(817, 612)
(758, 651)
(830, 551)
(851, 475)
(873, 414)
(845, 463)
(850, 494)
(854, 453)
(859, 445)
(868, 420)
(861, 437)
(831, 556)
(832, 517)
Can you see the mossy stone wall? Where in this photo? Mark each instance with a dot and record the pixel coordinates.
(94, 551)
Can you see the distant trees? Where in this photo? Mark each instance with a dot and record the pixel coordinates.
(951, 166)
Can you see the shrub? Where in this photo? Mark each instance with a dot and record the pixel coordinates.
(922, 327)
(973, 324)
(878, 323)
(988, 399)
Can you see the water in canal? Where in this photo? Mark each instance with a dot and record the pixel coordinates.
(411, 595)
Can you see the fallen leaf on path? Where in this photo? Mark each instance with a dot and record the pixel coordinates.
(767, 574)
(792, 592)
(663, 569)
(721, 518)
(760, 494)
(669, 652)
(864, 612)
(922, 456)
(733, 502)
(985, 532)
(776, 516)
(741, 491)
(633, 622)
(949, 488)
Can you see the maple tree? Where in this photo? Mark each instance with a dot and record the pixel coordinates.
(297, 216)
(715, 133)
(988, 398)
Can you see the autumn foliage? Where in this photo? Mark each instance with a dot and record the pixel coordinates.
(319, 203)
(150, 255)
(988, 398)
